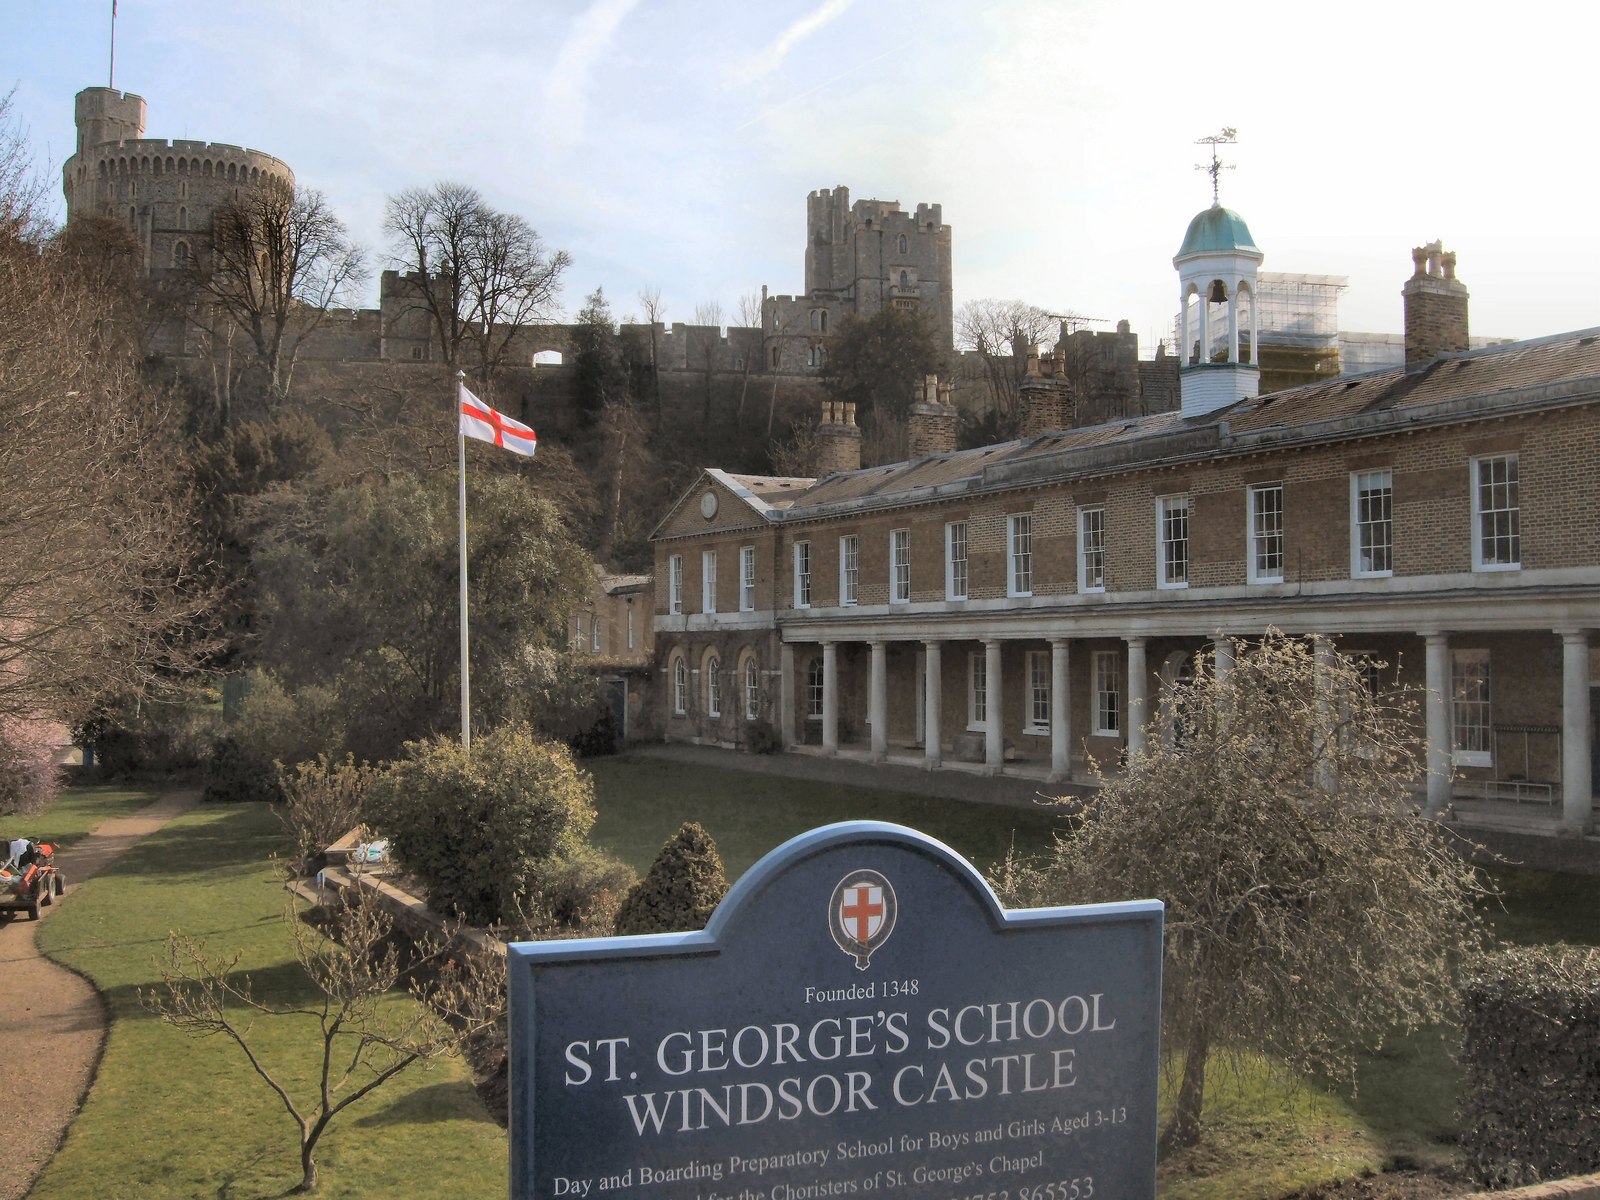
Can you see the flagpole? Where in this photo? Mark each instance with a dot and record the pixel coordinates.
(461, 464)
(111, 78)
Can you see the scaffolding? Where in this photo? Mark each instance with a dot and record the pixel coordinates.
(1299, 310)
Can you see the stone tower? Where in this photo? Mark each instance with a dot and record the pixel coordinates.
(165, 191)
(1217, 266)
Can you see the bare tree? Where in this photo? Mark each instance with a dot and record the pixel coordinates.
(1001, 332)
(708, 313)
(482, 276)
(654, 312)
(749, 316)
(22, 187)
(363, 1042)
(1310, 910)
(97, 545)
(277, 260)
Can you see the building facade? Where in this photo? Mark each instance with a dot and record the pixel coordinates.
(1016, 608)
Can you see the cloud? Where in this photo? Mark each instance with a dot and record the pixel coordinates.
(566, 101)
(770, 57)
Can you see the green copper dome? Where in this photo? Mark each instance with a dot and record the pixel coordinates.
(1217, 230)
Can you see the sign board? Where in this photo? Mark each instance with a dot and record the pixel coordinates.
(860, 1016)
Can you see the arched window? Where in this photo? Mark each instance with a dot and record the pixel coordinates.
(133, 217)
(816, 318)
(905, 279)
(814, 690)
(180, 254)
(775, 353)
(680, 686)
(714, 686)
(183, 218)
(752, 689)
(824, 320)
(902, 243)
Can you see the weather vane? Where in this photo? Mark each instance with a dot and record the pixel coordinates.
(1216, 167)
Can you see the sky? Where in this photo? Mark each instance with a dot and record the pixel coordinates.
(670, 144)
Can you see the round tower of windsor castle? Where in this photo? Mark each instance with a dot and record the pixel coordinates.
(164, 191)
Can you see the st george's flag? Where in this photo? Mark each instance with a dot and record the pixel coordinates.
(480, 421)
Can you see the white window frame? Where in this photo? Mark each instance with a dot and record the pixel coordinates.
(802, 574)
(1019, 554)
(1105, 698)
(630, 627)
(680, 686)
(1172, 542)
(708, 581)
(1264, 533)
(1036, 692)
(849, 570)
(747, 579)
(977, 690)
(955, 564)
(816, 688)
(900, 566)
(675, 584)
(752, 689)
(1471, 729)
(1092, 550)
(713, 686)
(1496, 514)
(1365, 552)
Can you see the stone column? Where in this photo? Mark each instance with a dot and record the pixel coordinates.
(932, 714)
(1233, 325)
(830, 698)
(1222, 657)
(1138, 694)
(1440, 769)
(993, 743)
(786, 694)
(1060, 711)
(1576, 782)
(878, 700)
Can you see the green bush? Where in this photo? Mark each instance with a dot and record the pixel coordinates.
(276, 724)
(1530, 1045)
(578, 894)
(476, 829)
(762, 737)
(236, 775)
(680, 891)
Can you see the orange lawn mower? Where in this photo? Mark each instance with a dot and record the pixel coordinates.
(29, 878)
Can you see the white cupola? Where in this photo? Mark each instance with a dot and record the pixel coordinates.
(1217, 320)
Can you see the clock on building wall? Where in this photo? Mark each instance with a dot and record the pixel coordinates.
(708, 505)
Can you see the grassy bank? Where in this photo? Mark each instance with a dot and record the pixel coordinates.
(169, 1117)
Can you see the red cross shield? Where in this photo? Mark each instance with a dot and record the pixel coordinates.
(861, 914)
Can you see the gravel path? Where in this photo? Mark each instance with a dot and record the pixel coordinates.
(52, 1021)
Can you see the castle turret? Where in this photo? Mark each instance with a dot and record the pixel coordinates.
(1217, 266)
(1436, 306)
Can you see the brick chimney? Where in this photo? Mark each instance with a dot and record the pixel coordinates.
(1436, 307)
(931, 424)
(1046, 393)
(838, 439)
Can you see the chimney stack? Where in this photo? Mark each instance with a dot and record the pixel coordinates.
(1436, 307)
(931, 424)
(838, 439)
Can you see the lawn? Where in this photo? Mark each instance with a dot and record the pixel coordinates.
(76, 812)
(642, 801)
(169, 1117)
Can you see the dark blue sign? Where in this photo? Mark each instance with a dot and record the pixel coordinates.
(860, 1016)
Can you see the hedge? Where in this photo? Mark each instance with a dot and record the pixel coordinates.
(1531, 1052)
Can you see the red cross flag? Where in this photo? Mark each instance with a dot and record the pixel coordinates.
(480, 421)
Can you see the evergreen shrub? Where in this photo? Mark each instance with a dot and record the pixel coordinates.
(680, 891)
(477, 829)
(235, 774)
(1530, 1046)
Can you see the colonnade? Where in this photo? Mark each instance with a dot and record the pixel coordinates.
(1576, 762)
